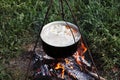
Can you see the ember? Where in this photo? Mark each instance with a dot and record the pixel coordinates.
(67, 61)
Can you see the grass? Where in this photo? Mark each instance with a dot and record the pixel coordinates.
(99, 21)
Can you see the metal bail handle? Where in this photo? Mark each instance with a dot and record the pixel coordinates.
(63, 17)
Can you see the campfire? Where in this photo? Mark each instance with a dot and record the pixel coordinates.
(74, 67)
(63, 55)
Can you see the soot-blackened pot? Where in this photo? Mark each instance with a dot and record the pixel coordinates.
(60, 51)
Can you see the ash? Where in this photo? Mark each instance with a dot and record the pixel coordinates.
(44, 68)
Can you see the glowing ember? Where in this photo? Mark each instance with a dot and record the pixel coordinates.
(67, 61)
(60, 66)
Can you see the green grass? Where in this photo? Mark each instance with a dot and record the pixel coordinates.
(99, 21)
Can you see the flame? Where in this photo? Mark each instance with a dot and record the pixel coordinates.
(80, 53)
(67, 61)
(82, 49)
(60, 66)
(78, 56)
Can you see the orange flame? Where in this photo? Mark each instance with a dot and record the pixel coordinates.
(80, 53)
(82, 49)
(60, 66)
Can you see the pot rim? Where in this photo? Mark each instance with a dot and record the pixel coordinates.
(61, 22)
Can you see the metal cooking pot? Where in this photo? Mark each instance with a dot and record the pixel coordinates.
(59, 51)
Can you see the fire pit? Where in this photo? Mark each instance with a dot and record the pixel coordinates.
(70, 68)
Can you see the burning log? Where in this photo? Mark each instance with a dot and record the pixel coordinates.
(95, 75)
(74, 69)
(67, 68)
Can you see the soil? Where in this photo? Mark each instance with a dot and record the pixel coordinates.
(18, 66)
